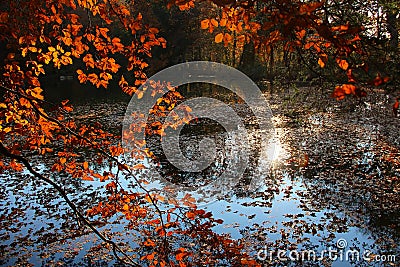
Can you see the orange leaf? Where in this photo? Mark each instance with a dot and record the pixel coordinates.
(321, 62)
(223, 22)
(349, 88)
(85, 165)
(227, 39)
(103, 83)
(309, 45)
(103, 31)
(310, 7)
(340, 92)
(219, 37)
(154, 30)
(190, 215)
(149, 243)
(92, 77)
(139, 94)
(111, 186)
(81, 76)
(87, 178)
(301, 34)
(342, 63)
(37, 93)
(214, 22)
(340, 28)
(11, 56)
(139, 167)
(204, 24)
(181, 254)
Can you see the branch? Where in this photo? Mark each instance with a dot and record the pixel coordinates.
(23, 160)
(33, 103)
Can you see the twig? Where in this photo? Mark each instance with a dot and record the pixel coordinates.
(23, 160)
(33, 103)
(106, 154)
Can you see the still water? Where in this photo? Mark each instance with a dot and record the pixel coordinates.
(295, 206)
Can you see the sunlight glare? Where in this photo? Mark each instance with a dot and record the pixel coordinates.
(275, 151)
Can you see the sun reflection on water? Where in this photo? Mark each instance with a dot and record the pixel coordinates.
(275, 151)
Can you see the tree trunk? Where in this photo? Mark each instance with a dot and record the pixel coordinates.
(248, 56)
(391, 24)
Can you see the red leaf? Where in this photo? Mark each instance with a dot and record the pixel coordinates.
(379, 80)
(396, 107)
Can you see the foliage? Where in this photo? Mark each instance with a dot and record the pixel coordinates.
(109, 40)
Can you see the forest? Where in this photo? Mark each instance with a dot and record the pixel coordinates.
(199, 133)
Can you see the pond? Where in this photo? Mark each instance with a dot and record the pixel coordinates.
(327, 192)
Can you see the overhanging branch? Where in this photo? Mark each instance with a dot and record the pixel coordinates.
(25, 162)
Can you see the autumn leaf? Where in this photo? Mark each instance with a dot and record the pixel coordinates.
(10, 56)
(342, 91)
(396, 107)
(36, 93)
(190, 215)
(102, 40)
(379, 80)
(93, 78)
(81, 76)
(66, 106)
(103, 32)
(149, 243)
(308, 8)
(223, 22)
(349, 88)
(342, 63)
(227, 39)
(180, 254)
(219, 37)
(300, 34)
(340, 28)
(139, 167)
(139, 94)
(87, 178)
(321, 63)
(204, 24)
